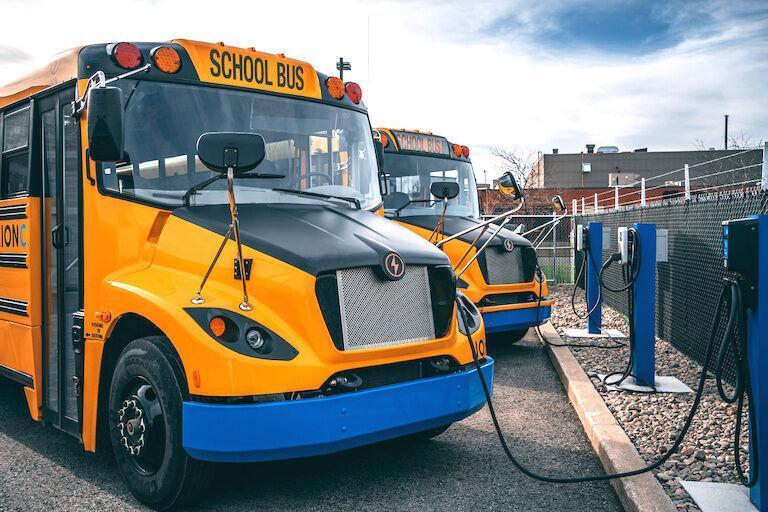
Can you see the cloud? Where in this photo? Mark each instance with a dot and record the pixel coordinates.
(537, 74)
(11, 55)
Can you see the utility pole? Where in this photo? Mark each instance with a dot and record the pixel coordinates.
(342, 66)
(726, 132)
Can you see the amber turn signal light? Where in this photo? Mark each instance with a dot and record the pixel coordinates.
(457, 150)
(166, 59)
(218, 326)
(335, 87)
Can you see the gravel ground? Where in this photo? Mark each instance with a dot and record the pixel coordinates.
(463, 469)
(652, 421)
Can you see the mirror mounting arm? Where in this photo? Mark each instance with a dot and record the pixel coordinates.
(99, 80)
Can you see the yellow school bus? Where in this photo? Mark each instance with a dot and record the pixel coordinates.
(502, 280)
(192, 267)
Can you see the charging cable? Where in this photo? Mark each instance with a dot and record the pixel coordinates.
(727, 339)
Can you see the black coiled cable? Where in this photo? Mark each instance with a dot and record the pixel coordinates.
(678, 439)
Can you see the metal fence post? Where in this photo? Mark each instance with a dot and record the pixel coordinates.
(642, 191)
(687, 183)
(616, 197)
(574, 207)
(595, 202)
(765, 167)
(583, 206)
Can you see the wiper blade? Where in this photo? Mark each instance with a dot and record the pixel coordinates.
(352, 200)
(253, 175)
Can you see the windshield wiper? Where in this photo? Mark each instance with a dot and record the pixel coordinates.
(352, 200)
(192, 191)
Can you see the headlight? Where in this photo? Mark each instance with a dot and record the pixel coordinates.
(241, 334)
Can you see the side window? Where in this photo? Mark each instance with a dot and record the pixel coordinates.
(15, 153)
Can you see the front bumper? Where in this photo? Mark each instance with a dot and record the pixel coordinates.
(516, 319)
(317, 426)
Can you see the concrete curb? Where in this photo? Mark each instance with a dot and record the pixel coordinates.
(642, 493)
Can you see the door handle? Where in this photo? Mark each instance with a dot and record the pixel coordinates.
(56, 236)
(56, 233)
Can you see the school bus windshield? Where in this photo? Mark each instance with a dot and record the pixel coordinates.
(413, 175)
(317, 148)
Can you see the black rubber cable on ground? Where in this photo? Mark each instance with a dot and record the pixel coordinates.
(596, 478)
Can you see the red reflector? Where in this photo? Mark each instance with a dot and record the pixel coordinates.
(465, 151)
(127, 55)
(354, 92)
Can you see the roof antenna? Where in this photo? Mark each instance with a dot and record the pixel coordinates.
(343, 65)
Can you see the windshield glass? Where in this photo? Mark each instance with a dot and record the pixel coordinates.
(318, 148)
(413, 175)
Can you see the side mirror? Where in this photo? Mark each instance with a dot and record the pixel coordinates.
(558, 205)
(105, 124)
(508, 186)
(444, 189)
(378, 146)
(221, 151)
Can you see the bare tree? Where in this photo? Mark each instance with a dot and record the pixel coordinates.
(740, 168)
(518, 161)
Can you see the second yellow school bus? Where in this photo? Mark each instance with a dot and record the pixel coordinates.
(502, 281)
(190, 317)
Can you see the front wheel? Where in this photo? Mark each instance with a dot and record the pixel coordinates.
(145, 401)
(515, 336)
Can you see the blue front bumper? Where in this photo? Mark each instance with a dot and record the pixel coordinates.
(316, 426)
(515, 319)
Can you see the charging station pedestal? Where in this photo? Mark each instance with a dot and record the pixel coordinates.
(593, 262)
(757, 332)
(711, 497)
(644, 350)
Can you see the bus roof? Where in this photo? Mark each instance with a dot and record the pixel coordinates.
(62, 68)
(400, 140)
(212, 63)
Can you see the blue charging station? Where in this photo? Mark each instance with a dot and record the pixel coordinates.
(644, 364)
(592, 279)
(757, 329)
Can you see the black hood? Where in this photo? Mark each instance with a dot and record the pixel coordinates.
(317, 238)
(453, 225)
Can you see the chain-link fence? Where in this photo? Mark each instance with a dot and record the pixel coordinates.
(688, 285)
(553, 243)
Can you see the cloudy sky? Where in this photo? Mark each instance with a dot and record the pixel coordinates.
(533, 74)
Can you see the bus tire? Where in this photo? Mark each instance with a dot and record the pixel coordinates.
(145, 404)
(515, 336)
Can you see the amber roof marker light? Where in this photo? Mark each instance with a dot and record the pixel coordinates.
(166, 59)
(335, 87)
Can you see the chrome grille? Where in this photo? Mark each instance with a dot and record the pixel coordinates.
(376, 312)
(505, 267)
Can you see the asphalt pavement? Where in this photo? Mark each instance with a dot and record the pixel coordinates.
(463, 469)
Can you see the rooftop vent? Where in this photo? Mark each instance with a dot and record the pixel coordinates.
(590, 148)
